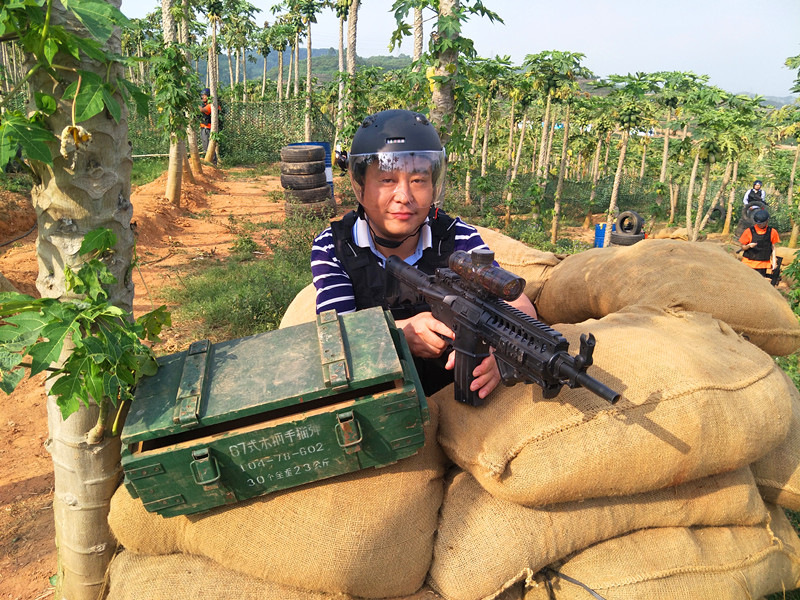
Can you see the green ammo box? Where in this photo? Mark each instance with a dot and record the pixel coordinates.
(225, 422)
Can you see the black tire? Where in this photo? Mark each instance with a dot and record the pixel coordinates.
(326, 208)
(303, 168)
(317, 194)
(629, 223)
(625, 239)
(715, 215)
(303, 182)
(302, 153)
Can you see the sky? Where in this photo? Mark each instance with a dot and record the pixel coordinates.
(741, 45)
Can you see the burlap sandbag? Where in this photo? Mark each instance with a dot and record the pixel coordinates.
(186, 577)
(697, 399)
(369, 533)
(484, 544)
(670, 274)
(725, 563)
(532, 264)
(302, 309)
(778, 472)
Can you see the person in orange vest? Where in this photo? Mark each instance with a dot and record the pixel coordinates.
(758, 243)
(205, 121)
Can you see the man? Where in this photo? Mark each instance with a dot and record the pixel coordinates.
(397, 169)
(758, 243)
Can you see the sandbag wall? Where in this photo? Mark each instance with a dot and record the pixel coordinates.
(659, 496)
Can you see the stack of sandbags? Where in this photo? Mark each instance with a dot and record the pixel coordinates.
(485, 544)
(367, 534)
(669, 563)
(669, 274)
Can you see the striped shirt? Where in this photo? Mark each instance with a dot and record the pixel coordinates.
(334, 286)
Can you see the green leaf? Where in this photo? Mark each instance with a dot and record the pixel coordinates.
(91, 48)
(70, 392)
(98, 241)
(97, 16)
(22, 330)
(141, 99)
(111, 104)
(9, 360)
(46, 353)
(89, 99)
(154, 321)
(11, 380)
(50, 49)
(45, 103)
(33, 138)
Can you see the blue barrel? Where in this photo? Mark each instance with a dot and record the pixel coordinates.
(328, 160)
(600, 233)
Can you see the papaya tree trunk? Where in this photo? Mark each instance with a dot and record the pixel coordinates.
(446, 67)
(352, 38)
(280, 75)
(308, 84)
(790, 196)
(485, 149)
(175, 169)
(726, 228)
(473, 146)
(726, 179)
(690, 194)
(561, 173)
(194, 166)
(211, 151)
(340, 90)
(665, 152)
(612, 204)
(701, 199)
(543, 142)
(88, 189)
(595, 171)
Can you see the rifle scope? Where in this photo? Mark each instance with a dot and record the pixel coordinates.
(477, 268)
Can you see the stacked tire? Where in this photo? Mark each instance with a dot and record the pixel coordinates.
(305, 185)
(629, 229)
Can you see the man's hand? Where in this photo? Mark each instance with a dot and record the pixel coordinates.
(424, 335)
(486, 375)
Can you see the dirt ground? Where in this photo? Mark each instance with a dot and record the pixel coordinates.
(169, 240)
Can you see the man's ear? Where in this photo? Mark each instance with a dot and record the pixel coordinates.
(358, 190)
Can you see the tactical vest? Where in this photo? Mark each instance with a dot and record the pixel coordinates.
(205, 119)
(369, 277)
(763, 248)
(754, 196)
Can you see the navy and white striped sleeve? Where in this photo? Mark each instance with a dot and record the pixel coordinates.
(334, 286)
(467, 237)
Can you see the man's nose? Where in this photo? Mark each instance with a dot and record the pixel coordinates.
(402, 191)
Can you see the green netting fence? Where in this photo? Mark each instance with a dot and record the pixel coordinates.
(252, 133)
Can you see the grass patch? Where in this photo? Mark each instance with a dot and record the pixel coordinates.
(240, 298)
(18, 183)
(146, 170)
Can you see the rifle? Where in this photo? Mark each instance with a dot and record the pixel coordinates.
(470, 297)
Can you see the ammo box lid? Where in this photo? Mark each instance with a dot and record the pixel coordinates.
(215, 383)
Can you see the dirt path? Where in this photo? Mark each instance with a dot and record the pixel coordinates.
(169, 240)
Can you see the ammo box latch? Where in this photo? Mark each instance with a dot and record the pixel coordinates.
(348, 432)
(332, 355)
(206, 473)
(190, 388)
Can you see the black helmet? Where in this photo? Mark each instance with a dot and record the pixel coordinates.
(760, 216)
(398, 140)
(758, 182)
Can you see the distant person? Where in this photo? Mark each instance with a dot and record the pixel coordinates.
(758, 243)
(755, 194)
(205, 122)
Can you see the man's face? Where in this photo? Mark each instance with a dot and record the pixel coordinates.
(203, 98)
(757, 187)
(396, 202)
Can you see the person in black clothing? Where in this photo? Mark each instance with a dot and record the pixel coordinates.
(755, 194)
(758, 243)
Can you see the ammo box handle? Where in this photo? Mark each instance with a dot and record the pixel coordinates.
(205, 470)
(348, 432)
(331, 350)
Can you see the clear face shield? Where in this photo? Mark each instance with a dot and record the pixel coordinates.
(417, 174)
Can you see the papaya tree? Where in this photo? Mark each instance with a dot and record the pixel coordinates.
(73, 137)
(633, 112)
